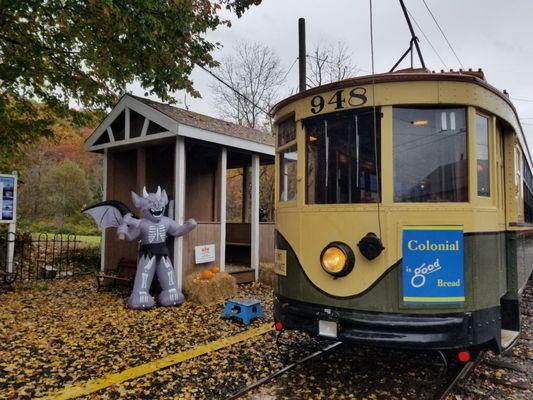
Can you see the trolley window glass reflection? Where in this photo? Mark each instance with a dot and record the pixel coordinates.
(340, 156)
(482, 152)
(430, 155)
(287, 187)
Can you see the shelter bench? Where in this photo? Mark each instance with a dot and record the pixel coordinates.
(124, 272)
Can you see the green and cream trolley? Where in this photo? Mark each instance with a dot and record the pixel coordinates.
(404, 211)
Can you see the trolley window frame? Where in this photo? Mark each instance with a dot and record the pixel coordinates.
(379, 152)
(490, 158)
(280, 149)
(468, 155)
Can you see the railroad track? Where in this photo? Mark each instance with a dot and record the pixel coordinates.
(283, 370)
(454, 374)
(457, 374)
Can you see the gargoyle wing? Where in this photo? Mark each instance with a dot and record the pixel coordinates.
(108, 213)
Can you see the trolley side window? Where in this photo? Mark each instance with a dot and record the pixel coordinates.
(528, 192)
(341, 154)
(287, 179)
(286, 131)
(482, 154)
(430, 154)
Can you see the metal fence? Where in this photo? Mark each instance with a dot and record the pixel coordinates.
(44, 256)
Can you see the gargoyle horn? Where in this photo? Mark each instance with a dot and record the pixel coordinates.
(145, 193)
(158, 193)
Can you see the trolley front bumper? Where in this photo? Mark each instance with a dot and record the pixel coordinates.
(417, 331)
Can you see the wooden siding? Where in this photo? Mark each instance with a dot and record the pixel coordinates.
(200, 182)
(160, 168)
(241, 233)
(266, 242)
(121, 178)
(205, 233)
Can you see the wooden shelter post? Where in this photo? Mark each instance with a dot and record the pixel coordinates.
(141, 169)
(104, 195)
(127, 123)
(254, 216)
(223, 167)
(245, 192)
(179, 205)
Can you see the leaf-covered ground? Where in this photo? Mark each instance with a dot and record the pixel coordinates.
(58, 333)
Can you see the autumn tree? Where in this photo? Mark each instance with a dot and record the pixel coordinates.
(65, 190)
(329, 63)
(58, 53)
(256, 73)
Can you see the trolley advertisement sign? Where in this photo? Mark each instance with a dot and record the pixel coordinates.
(8, 198)
(433, 264)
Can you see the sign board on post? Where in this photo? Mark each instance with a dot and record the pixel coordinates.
(204, 253)
(8, 198)
(433, 265)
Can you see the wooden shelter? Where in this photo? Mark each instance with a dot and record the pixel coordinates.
(147, 143)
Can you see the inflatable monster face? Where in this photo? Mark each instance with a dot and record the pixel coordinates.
(151, 205)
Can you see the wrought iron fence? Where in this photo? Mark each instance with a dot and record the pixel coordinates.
(44, 256)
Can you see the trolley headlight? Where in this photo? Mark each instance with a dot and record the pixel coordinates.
(337, 259)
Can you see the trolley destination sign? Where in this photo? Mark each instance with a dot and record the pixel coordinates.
(433, 264)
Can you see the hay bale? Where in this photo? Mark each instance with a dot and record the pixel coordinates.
(267, 275)
(220, 287)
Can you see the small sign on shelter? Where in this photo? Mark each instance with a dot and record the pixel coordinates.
(204, 253)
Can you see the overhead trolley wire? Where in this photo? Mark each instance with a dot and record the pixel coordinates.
(235, 90)
(290, 68)
(427, 39)
(376, 158)
(443, 34)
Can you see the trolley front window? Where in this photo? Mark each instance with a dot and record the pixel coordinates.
(341, 155)
(430, 155)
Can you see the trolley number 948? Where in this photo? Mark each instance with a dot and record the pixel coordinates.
(340, 99)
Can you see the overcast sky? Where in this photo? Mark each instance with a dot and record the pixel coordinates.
(494, 35)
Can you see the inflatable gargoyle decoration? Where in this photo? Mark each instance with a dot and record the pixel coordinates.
(152, 230)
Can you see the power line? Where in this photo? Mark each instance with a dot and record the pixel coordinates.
(427, 39)
(289, 70)
(235, 90)
(443, 34)
(332, 62)
(526, 100)
(377, 167)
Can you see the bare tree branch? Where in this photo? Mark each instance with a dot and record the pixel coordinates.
(330, 63)
(255, 71)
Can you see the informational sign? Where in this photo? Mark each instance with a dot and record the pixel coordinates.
(204, 253)
(433, 264)
(8, 198)
(280, 262)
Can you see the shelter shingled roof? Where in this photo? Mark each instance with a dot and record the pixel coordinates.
(201, 121)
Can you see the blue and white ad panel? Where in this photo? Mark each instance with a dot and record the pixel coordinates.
(433, 265)
(8, 198)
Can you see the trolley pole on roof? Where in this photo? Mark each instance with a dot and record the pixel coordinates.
(413, 35)
(414, 40)
(302, 54)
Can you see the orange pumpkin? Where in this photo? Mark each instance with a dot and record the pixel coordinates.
(215, 270)
(206, 275)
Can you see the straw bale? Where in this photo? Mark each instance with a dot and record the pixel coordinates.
(267, 274)
(220, 287)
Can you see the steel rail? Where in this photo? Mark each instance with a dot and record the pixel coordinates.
(281, 371)
(461, 373)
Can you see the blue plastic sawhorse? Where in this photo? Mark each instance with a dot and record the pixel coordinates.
(245, 309)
